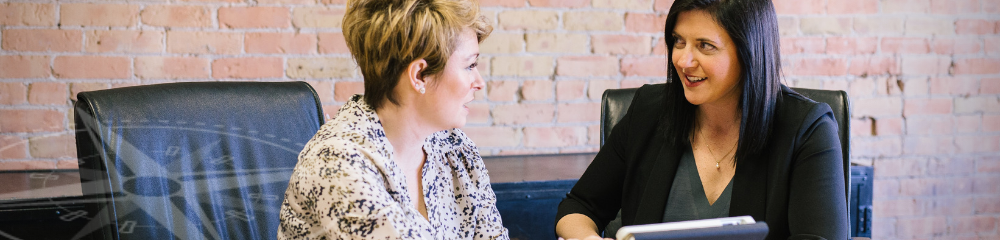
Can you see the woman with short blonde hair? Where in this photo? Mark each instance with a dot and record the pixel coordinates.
(393, 164)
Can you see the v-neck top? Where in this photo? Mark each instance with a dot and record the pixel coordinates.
(688, 200)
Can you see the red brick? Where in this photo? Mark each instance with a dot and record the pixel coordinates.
(796, 45)
(991, 123)
(897, 207)
(974, 224)
(559, 3)
(523, 113)
(987, 204)
(645, 23)
(989, 86)
(958, 45)
(888, 126)
(885, 188)
(819, 67)
(905, 45)
(502, 3)
(592, 21)
(926, 65)
(40, 40)
(921, 226)
(177, 16)
(876, 147)
(635, 5)
(645, 66)
(954, 7)
(204, 42)
(873, 65)
(974, 104)
(554, 136)
(342, 91)
(27, 14)
(620, 44)
(633, 83)
(478, 113)
(905, 6)
(852, 7)
(977, 66)
(502, 91)
(68, 164)
(171, 67)
(280, 43)
(953, 166)
(537, 90)
(862, 127)
(660, 47)
(493, 136)
(24, 67)
(324, 90)
(929, 125)
(914, 107)
(954, 85)
(34, 120)
(53, 146)
(950, 206)
(27, 165)
(662, 5)
(597, 87)
(124, 41)
(90, 67)
(992, 45)
(587, 66)
(798, 6)
(977, 144)
(318, 17)
(991, 7)
(969, 123)
(333, 43)
(254, 17)
(48, 93)
(974, 26)
(76, 88)
(87, 14)
(851, 45)
(13, 93)
(228, 1)
(570, 90)
(251, 67)
(290, 2)
(579, 112)
(928, 145)
(521, 66)
(545, 43)
(13, 147)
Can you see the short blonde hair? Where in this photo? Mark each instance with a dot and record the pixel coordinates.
(385, 36)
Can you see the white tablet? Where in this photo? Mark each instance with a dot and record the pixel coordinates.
(742, 227)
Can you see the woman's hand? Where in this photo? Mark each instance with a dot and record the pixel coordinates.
(595, 237)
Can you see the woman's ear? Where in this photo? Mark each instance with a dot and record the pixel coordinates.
(415, 75)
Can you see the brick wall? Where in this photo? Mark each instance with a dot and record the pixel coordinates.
(923, 76)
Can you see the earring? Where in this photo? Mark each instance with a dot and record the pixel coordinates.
(422, 90)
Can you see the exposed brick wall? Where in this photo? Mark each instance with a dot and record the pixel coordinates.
(923, 76)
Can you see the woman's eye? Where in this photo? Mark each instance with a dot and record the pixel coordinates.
(678, 43)
(474, 65)
(707, 46)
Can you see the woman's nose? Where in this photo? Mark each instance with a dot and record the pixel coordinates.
(683, 58)
(478, 83)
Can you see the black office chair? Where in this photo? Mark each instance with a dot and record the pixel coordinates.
(201, 160)
(615, 103)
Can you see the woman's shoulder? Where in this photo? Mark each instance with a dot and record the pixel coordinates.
(794, 105)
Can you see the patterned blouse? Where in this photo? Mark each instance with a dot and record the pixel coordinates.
(345, 186)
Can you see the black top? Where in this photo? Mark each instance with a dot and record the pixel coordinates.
(796, 184)
(688, 201)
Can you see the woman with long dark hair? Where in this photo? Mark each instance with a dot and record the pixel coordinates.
(723, 137)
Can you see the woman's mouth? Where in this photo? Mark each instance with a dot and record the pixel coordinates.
(696, 79)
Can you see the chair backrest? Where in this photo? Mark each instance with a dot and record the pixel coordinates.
(202, 160)
(615, 103)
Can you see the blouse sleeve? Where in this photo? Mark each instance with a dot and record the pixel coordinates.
(817, 205)
(343, 196)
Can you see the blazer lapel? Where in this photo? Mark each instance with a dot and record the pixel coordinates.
(661, 177)
(750, 189)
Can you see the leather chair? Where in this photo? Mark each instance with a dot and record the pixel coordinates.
(200, 160)
(615, 103)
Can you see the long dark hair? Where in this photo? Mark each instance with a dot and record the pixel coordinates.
(753, 27)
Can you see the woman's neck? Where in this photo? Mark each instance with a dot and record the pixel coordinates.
(405, 135)
(718, 119)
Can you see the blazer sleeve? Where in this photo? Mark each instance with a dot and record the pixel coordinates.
(817, 206)
(598, 193)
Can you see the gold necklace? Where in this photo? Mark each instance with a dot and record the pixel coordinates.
(717, 167)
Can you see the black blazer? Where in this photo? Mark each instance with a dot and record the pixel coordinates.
(796, 185)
